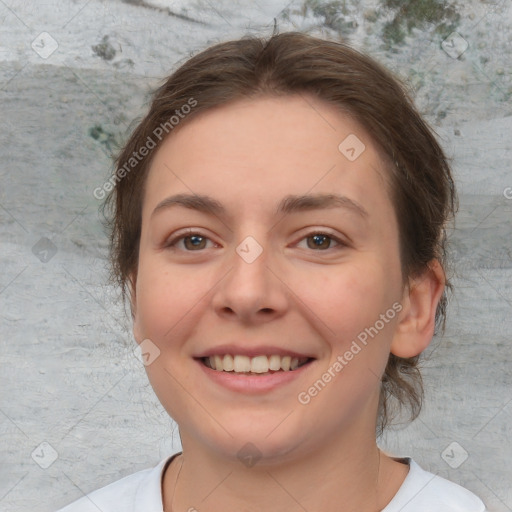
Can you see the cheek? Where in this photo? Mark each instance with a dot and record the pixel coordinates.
(348, 299)
(170, 299)
(350, 303)
(161, 298)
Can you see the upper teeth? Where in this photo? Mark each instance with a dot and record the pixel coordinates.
(258, 364)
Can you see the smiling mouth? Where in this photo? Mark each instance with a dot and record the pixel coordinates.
(259, 365)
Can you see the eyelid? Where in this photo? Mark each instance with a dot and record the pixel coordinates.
(175, 238)
(327, 232)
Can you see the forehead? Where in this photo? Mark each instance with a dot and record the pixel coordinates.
(251, 153)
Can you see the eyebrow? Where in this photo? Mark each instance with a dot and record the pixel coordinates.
(289, 204)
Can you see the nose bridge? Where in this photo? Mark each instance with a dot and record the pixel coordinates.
(251, 286)
(250, 269)
(250, 250)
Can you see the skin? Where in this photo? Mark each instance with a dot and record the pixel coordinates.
(249, 155)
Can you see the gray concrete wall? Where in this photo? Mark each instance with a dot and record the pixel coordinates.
(76, 410)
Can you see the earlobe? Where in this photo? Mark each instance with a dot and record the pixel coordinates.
(416, 322)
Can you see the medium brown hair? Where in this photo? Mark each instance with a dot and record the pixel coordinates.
(420, 183)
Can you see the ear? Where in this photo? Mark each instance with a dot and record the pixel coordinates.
(415, 326)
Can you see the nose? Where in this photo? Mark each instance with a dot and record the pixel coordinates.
(251, 292)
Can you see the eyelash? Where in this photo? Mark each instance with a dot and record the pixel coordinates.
(171, 243)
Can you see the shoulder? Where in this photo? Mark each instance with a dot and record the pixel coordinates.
(138, 492)
(422, 491)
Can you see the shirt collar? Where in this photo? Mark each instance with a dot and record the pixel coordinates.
(148, 497)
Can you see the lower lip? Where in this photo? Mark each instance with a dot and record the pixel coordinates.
(253, 383)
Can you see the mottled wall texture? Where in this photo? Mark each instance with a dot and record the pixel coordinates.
(76, 409)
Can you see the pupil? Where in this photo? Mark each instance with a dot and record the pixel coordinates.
(195, 240)
(319, 239)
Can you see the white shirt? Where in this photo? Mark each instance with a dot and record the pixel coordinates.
(421, 491)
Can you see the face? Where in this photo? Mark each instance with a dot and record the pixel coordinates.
(264, 243)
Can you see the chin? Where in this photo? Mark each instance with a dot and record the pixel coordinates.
(266, 441)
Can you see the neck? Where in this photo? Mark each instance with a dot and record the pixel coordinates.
(343, 475)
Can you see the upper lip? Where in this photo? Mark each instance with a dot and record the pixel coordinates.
(260, 350)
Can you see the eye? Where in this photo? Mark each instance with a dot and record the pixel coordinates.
(322, 241)
(192, 241)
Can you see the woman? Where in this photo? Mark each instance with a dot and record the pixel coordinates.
(278, 226)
